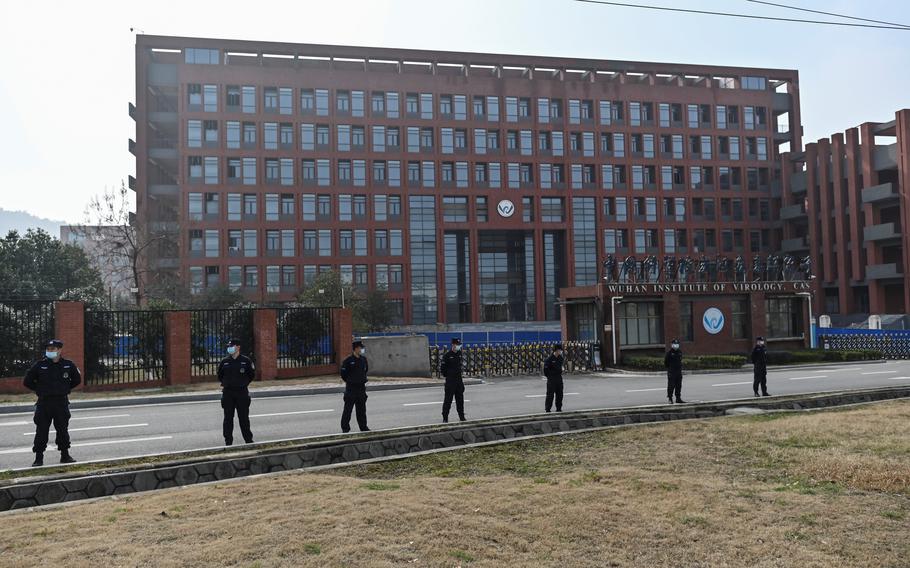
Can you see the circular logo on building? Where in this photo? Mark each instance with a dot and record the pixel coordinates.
(505, 208)
(713, 320)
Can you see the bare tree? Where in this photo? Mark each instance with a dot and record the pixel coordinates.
(115, 244)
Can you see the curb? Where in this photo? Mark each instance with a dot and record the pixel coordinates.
(215, 396)
(744, 369)
(30, 492)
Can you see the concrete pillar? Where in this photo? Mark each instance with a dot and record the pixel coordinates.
(265, 344)
(177, 348)
(69, 327)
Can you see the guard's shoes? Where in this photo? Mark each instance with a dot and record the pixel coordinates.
(756, 393)
(39, 459)
(65, 457)
(250, 441)
(229, 442)
(670, 398)
(462, 418)
(445, 418)
(680, 401)
(546, 410)
(365, 430)
(558, 410)
(765, 394)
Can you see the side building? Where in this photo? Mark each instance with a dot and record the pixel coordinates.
(845, 202)
(473, 187)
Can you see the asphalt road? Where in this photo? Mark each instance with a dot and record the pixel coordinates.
(129, 431)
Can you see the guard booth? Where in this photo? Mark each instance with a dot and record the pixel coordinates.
(716, 318)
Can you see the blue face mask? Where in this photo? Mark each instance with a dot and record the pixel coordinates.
(51, 354)
(231, 350)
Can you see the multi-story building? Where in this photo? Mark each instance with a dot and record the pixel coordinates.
(845, 204)
(110, 250)
(473, 187)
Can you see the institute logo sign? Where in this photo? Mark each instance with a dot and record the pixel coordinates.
(713, 320)
(505, 208)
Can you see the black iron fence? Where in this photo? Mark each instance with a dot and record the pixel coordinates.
(520, 358)
(304, 337)
(124, 347)
(24, 327)
(210, 330)
(893, 344)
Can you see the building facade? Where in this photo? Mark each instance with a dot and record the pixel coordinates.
(473, 187)
(108, 247)
(847, 197)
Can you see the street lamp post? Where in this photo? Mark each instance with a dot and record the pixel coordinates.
(808, 297)
(613, 301)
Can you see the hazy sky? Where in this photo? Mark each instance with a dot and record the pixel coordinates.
(67, 67)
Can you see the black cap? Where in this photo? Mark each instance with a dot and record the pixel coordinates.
(456, 341)
(759, 338)
(557, 346)
(54, 343)
(675, 340)
(234, 341)
(356, 344)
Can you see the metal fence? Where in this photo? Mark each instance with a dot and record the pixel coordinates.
(304, 337)
(124, 346)
(894, 344)
(444, 338)
(520, 359)
(210, 330)
(24, 327)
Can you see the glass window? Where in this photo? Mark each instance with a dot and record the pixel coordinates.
(640, 323)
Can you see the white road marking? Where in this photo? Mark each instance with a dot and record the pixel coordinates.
(804, 378)
(898, 378)
(27, 422)
(732, 384)
(839, 370)
(543, 395)
(290, 413)
(84, 444)
(878, 373)
(647, 390)
(425, 403)
(95, 428)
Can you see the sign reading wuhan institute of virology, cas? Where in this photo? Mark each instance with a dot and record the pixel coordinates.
(713, 320)
(657, 288)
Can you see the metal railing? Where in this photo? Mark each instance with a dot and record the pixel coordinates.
(24, 327)
(520, 359)
(210, 330)
(124, 347)
(893, 344)
(304, 337)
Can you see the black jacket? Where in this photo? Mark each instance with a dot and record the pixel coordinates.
(552, 368)
(760, 359)
(673, 362)
(236, 374)
(354, 373)
(47, 378)
(450, 367)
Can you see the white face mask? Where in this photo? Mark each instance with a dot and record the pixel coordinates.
(231, 350)
(675, 346)
(761, 343)
(363, 350)
(456, 347)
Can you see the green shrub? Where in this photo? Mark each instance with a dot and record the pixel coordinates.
(690, 362)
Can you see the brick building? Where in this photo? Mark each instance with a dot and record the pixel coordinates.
(847, 196)
(473, 187)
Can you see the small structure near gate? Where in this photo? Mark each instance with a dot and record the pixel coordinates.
(396, 355)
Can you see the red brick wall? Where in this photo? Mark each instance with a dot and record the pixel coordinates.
(343, 324)
(69, 327)
(265, 339)
(177, 347)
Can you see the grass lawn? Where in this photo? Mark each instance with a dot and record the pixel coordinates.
(822, 489)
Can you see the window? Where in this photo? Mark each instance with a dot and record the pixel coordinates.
(211, 243)
(784, 317)
(272, 206)
(640, 323)
(461, 107)
(357, 103)
(481, 209)
(527, 205)
(307, 101)
(199, 56)
(426, 106)
(322, 102)
(343, 101)
(552, 210)
(754, 83)
(285, 104)
(233, 134)
(323, 174)
(250, 204)
(234, 207)
(325, 242)
(392, 105)
(210, 98)
(686, 329)
(343, 137)
(194, 133)
(740, 319)
(454, 209)
(211, 170)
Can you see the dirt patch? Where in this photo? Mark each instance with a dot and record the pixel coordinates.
(825, 489)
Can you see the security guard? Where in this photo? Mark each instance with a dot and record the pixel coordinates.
(235, 373)
(673, 363)
(552, 370)
(52, 378)
(760, 367)
(450, 368)
(354, 374)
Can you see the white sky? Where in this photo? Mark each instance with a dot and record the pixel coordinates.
(66, 68)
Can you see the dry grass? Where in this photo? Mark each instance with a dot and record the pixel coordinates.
(826, 489)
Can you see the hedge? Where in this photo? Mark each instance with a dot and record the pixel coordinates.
(656, 363)
(697, 362)
(819, 355)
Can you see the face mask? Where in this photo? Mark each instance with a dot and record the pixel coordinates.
(457, 348)
(363, 350)
(675, 346)
(760, 343)
(559, 353)
(232, 350)
(51, 354)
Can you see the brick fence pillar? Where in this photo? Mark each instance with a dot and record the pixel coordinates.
(343, 326)
(69, 327)
(177, 348)
(265, 344)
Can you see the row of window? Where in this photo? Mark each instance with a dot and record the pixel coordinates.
(282, 207)
(677, 241)
(245, 243)
(417, 139)
(388, 173)
(489, 108)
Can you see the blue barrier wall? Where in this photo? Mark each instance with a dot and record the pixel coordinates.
(443, 338)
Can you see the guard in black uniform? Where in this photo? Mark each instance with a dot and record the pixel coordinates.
(354, 374)
(552, 370)
(673, 363)
(52, 378)
(235, 373)
(760, 367)
(450, 369)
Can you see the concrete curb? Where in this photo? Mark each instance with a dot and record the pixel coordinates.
(39, 491)
(214, 396)
(744, 369)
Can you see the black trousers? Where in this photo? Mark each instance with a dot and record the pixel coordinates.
(760, 380)
(456, 392)
(674, 385)
(352, 400)
(554, 389)
(236, 400)
(52, 409)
